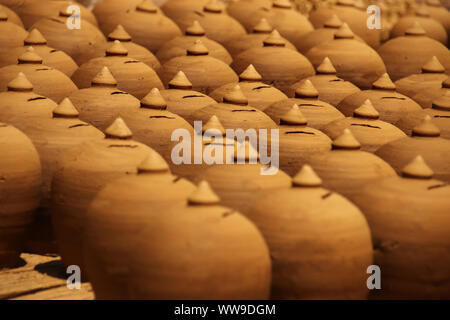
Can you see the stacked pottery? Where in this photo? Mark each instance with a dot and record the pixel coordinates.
(52, 137)
(331, 88)
(133, 76)
(206, 73)
(312, 233)
(346, 169)
(11, 35)
(407, 54)
(20, 182)
(177, 47)
(145, 23)
(9, 8)
(317, 112)
(425, 140)
(228, 247)
(259, 94)
(367, 128)
(103, 101)
(439, 13)
(46, 81)
(181, 99)
(391, 105)
(175, 9)
(278, 65)
(218, 25)
(50, 57)
(362, 71)
(253, 40)
(82, 171)
(408, 217)
(297, 142)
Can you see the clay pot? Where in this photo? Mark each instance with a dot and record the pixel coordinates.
(426, 141)
(259, 94)
(367, 128)
(102, 102)
(218, 25)
(346, 169)
(81, 44)
(206, 73)
(11, 35)
(181, 99)
(8, 9)
(391, 105)
(427, 84)
(133, 76)
(46, 81)
(317, 112)
(107, 8)
(20, 172)
(279, 66)
(82, 171)
(362, 71)
(406, 55)
(331, 88)
(153, 125)
(311, 233)
(406, 213)
(52, 137)
(177, 47)
(176, 9)
(225, 244)
(50, 57)
(241, 10)
(439, 13)
(20, 106)
(145, 23)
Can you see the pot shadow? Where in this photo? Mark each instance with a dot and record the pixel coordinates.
(54, 269)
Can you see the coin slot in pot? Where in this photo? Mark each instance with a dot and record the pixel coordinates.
(365, 125)
(161, 117)
(79, 125)
(310, 105)
(193, 96)
(118, 92)
(438, 186)
(122, 146)
(262, 87)
(240, 110)
(327, 195)
(394, 98)
(299, 132)
(37, 98)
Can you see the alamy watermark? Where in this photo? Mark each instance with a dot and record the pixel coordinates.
(374, 20)
(74, 21)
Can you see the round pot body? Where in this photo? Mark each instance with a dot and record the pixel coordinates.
(9, 7)
(434, 29)
(242, 10)
(439, 13)
(441, 118)
(11, 36)
(107, 8)
(176, 9)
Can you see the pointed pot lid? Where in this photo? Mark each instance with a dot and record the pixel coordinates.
(433, 66)
(104, 79)
(307, 177)
(20, 83)
(214, 6)
(195, 29)
(383, 83)
(282, 4)
(334, 22)
(116, 49)
(34, 38)
(65, 109)
(274, 40)
(214, 125)
(3, 15)
(294, 117)
(446, 83)
(119, 33)
(30, 57)
(180, 81)
(306, 90)
(344, 32)
(366, 111)
(250, 74)
(147, 6)
(197, 49)
(118, 130)
(417, 169)
(263, 26)
(326, 67)
(443, 102)
(346, 141)
(154, 100)
(251, 154)
(153, 163)
(415, 30)
(203, 195)
(426, 129)
(235, 96)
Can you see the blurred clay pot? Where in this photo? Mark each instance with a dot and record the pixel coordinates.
(438, 12)
(8, 7)
(176, 9)
(11, 34)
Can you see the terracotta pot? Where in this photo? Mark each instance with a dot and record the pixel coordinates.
(259, 94)
(391, 105)
(218, 25)
(241, 10)
(20, 172)
(426, 141)
(439, 13)
(50, 57)
(406, 213)
(346, 169)
(331, 88)
(279, 66)
(317, 112)
(362, 71)
(311, 233)
(133, 76)
(20, 106)
(225, 244)
(367, 128)
(206, 73)
(145, 23)
(181, 99)
(406, 55)
(11, 35)
(83, 171)
(176, 9)
(52, 137)
(177, 47)
(46, 81)
(81, 44)
(12, 15)
(427, 84)
(107, 8)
